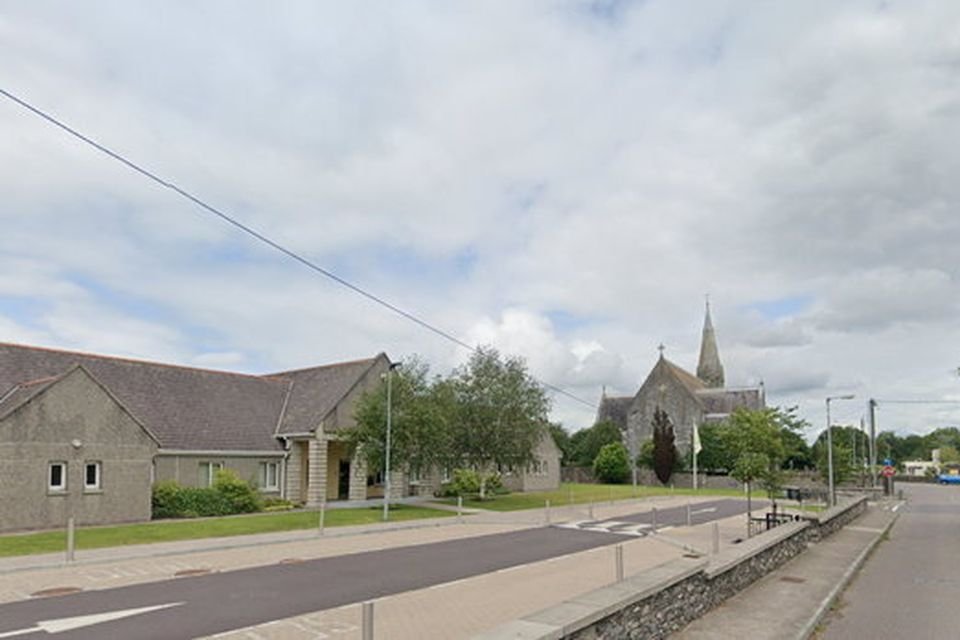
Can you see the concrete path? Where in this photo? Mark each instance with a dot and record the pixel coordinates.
(910, 588)
(791, 601)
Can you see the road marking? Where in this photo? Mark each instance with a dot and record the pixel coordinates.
(707, 510)
(897, 507)
(69, 624)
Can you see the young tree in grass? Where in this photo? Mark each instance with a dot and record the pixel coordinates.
(664, 451)
(421, 412)
(500, 413)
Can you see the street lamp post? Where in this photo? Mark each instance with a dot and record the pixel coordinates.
(386, 456)
(832, 496)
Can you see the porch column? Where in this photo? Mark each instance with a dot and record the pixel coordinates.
(398, 482)
(317, 471)
(358, 478)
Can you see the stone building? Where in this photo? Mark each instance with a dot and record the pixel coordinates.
(85, 435)
(688, 399)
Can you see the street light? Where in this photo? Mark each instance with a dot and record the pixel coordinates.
(386, 457)
(832, 495)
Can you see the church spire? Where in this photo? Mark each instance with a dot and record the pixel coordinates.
(709, 369)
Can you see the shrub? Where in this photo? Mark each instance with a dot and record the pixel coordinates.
(466, 482)
(612, 464)
(165, 501)
(240, 495)
(228, 495)
(277, 504)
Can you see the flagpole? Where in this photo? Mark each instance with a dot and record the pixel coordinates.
(693, 445)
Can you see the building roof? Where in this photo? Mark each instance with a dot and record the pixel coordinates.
(725, 401)
(188, 408)
(315, 392)
(614, 410)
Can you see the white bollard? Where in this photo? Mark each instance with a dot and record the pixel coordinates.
(689, 516)
(323, 516)
(71, 539)
(716, 538)
(653, 515)
(590, 511)
(460, 509)
(367, 620)
(619, 558)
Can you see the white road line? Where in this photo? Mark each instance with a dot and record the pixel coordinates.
(707, 510)
(897, 507)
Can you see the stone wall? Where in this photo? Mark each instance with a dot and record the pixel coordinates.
(663, 600)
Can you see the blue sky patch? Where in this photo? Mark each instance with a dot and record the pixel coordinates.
(781, 307)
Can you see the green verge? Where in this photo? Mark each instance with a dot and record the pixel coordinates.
(172, 530)
(575, 493)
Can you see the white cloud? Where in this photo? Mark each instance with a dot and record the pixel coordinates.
(491, 167)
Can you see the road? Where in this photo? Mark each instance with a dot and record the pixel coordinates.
(910, 586)
(205, 605)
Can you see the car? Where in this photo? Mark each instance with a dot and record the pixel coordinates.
(946, 478)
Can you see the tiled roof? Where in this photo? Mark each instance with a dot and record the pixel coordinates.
(315, 392)
(194, 409)
(725, 401)
(692, 383)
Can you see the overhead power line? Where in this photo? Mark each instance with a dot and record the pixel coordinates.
(260, 236)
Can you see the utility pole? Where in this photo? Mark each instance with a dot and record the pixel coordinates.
(872, 409)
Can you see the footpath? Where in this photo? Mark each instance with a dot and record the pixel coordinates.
(792, 601)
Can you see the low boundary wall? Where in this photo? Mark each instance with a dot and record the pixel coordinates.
(664, 599)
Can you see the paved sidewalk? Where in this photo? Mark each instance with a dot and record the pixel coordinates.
(791, 601)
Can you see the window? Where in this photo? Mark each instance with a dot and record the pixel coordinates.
(208, 471)
(57, 480)
(269, 476)
(91, 476)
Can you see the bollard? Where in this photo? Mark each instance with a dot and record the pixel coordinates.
(619, 559)
(653, 516)
(590, 511)
(611, 496)
(689, 516)
(716, 538)
(546, 511)
(570, 494)
(367, 620)
(71, 538)
(899, 494)
(460, 509)
(323, 515)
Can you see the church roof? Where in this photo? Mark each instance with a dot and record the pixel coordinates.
(614, 410)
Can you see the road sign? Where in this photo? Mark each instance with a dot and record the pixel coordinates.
(888, 471)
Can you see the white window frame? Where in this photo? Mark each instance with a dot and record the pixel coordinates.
(59, 488)
(212, 468)
(99, 476)
(265, 483)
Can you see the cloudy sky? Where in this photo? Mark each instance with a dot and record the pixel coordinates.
(563, 180)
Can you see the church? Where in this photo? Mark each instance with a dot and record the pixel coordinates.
(688, 399)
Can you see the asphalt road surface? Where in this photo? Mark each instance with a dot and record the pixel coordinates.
(205, 605)
(910, 586)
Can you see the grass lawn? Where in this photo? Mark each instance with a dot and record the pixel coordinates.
(573, 493)
(171, 530)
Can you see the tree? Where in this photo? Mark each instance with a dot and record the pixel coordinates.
(752, 436)
(612, 464)
(586, 443)
(421, 413)
(562, 440)
(714, 456)
(500, 413)
(664, 451)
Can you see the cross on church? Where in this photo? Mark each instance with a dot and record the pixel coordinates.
(661, 349)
